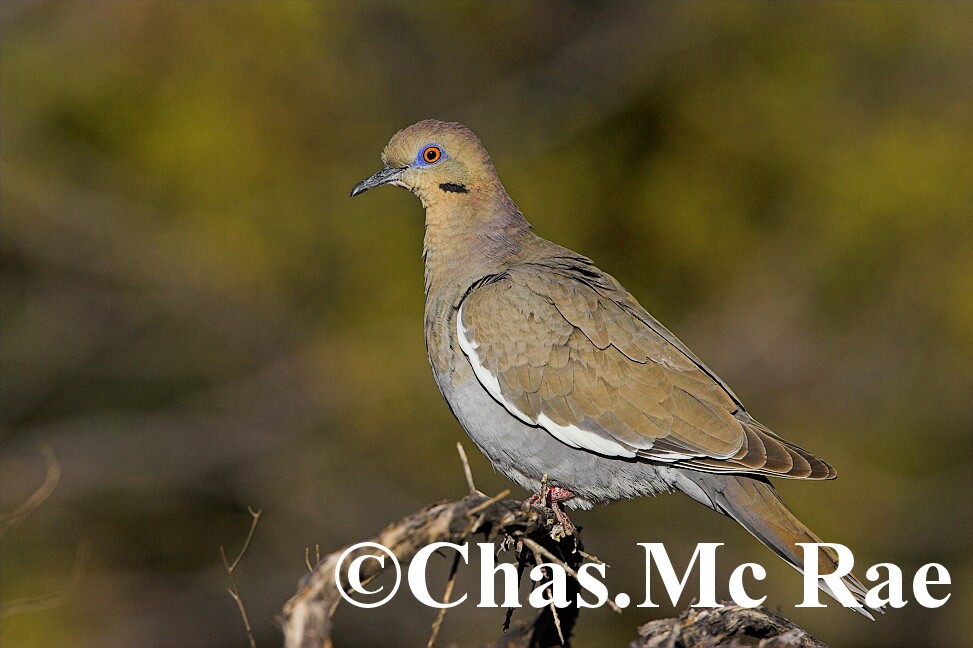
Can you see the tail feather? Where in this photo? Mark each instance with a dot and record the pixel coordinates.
(756, 506)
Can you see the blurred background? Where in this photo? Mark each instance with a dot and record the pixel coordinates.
(196, 319)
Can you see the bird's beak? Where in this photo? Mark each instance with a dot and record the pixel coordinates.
(388, 175)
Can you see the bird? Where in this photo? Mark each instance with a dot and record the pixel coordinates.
(560, 377)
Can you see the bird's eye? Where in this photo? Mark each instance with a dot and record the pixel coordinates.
(430, 155)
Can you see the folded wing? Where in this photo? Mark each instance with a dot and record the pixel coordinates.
(564, 348)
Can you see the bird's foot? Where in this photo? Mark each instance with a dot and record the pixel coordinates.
(567, 526)
(552, 497)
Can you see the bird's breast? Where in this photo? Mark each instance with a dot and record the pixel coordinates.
(449, 366)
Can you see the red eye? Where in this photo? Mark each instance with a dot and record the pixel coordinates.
(432, 154)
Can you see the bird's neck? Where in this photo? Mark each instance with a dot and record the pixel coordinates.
(469, 236)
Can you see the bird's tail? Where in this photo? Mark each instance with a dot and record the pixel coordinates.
(755, 504)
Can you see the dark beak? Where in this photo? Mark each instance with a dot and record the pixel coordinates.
(385, 176)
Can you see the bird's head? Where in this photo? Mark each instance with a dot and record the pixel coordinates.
(433, 160)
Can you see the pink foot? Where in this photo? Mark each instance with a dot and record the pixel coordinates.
(552, 496)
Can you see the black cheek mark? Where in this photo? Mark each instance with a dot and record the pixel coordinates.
(454, 188)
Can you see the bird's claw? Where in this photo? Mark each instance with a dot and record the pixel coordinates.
(551, 497)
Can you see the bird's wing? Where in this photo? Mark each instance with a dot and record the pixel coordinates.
(574, 354)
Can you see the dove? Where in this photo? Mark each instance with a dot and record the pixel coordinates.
(561, 377)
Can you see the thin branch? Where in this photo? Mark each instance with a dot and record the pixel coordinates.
(490, 502)
(446, 597)
(24, 606)
(243, 615)
(307, 556)
(539, 549)
(466, 468)
(39, 496)
(557, 622)
(593, 558)
(246, 543)
(234, 590)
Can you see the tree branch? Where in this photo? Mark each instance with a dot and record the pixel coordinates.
(536, 536)
(308, 614)
(731, 626)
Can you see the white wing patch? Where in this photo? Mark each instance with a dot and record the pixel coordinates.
(570, 434)
(669, 456)
(487, 379)
(575, 436)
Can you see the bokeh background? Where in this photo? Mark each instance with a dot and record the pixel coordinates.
(196, 319)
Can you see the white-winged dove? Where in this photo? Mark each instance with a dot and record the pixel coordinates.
(555, 370)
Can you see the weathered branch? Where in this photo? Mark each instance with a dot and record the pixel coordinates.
(536, 536)
(531, 532)
(731, 626)
(308, 615)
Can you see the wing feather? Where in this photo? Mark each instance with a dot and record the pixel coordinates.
(576, 355)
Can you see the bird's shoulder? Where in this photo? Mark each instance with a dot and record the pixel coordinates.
(564, 341)
(563, 285)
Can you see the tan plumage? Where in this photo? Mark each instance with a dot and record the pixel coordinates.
(555, 370)
(565, 340)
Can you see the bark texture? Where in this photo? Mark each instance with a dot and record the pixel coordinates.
(536, 536)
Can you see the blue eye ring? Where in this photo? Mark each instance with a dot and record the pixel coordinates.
(430, 154)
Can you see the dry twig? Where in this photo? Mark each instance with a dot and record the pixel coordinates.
(24, 606)
(447, 595)
(234, 590)
(39, 496)
(466, 468)
(538, 549)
